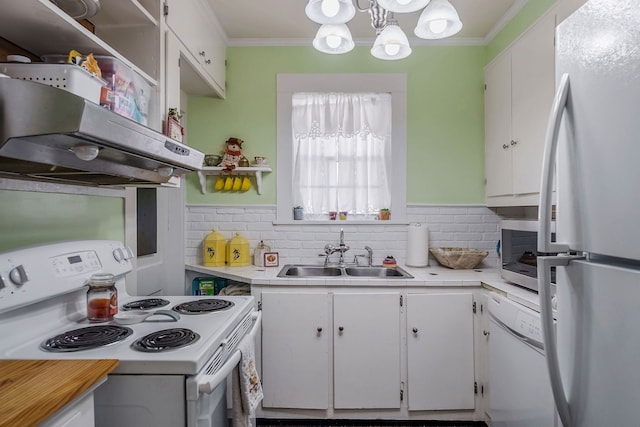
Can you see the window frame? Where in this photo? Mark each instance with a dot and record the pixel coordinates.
(288, 84)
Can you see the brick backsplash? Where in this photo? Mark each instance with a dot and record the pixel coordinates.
(458, 226)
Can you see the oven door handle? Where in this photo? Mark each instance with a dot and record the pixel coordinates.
(208, 383)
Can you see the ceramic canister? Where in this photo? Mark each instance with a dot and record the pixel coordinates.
(238, 251)
(258, 253)
(214, 250)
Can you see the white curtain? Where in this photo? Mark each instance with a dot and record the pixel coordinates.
(342, 147)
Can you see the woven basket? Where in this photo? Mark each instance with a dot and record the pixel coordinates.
(459, 258)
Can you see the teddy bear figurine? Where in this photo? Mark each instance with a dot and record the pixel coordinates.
(232, 154)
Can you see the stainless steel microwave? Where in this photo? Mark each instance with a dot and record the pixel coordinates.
(519, 252)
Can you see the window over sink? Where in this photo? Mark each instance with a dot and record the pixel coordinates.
(341, 146)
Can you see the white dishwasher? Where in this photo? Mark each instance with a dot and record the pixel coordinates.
(519, 387)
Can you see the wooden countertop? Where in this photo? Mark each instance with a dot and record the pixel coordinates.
(33, 390)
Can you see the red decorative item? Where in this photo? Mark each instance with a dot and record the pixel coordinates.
(175, 129)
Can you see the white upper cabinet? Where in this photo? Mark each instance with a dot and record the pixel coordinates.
(202, 47)
(519, 92)
(125, 29)
(128, 30)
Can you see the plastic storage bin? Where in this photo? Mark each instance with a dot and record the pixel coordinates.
(67, 77)
(126, 93)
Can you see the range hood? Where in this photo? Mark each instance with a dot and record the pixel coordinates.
(48, 134)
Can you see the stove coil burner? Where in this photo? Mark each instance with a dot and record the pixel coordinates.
(203, 306)
(86, 338)
(167, 339)
(145, 304)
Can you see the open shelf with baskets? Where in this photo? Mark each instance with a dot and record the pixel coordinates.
(257, 171)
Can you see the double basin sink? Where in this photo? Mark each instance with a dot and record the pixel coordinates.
(380, 272)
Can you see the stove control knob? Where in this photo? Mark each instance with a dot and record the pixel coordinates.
(128, 253)
(19, 275)
(118, 254)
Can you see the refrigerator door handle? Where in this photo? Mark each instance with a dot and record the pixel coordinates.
(549, 158)
(548, 332)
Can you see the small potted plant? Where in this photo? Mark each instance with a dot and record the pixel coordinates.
(384, 214)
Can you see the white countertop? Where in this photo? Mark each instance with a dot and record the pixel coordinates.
(431, 276)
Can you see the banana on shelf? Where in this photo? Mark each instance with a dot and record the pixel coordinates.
(232, 183)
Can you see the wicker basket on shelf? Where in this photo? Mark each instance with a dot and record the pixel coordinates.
(459, 258)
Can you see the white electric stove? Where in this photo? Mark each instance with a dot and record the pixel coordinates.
(173, 365)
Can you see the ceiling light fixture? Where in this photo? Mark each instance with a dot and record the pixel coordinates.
(438, 20)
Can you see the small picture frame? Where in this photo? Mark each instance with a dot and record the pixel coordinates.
(174, 129)
(271, 259)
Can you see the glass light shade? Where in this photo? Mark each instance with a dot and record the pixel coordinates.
(438, 20)
(391, 44)
(403, 6)
(334, 39)
(341, 11)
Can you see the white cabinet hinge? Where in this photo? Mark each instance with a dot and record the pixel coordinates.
(475, 387)
(401, 391)
(401, 300)
(165, 9)
(474, 307)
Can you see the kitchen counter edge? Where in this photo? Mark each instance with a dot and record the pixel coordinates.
(34, 390)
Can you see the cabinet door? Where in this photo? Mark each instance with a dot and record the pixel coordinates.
(497, 107)
(366, 350)
(533, 77)
(202, 48)
(440, 351)
(295, 350)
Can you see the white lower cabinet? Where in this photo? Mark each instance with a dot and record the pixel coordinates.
(295, 357)
(440, 351)
(345, 353)
(366, 350)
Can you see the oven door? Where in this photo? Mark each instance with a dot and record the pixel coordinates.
(206, 392)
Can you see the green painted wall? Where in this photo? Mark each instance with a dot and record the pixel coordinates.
(445, 132)
(525, 17)
(30, 218)
(445, 116)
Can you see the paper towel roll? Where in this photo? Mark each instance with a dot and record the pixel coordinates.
(417, 245)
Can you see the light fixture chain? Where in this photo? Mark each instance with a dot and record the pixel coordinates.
(378, 16)
(356, 3)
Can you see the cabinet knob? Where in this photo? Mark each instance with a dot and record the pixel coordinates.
(505, 146)
(201, 53)
(415, 330)
(340, 328)
(486, 333)
(208, 61)
(319, 329)
(514, 142)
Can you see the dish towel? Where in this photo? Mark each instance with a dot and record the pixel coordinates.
(247, 389)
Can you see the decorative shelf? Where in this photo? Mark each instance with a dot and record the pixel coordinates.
(218, 170)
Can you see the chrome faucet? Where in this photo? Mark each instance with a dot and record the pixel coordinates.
(369, 255)
(331, 249)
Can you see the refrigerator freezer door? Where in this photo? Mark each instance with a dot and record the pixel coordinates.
(599, 343)
(599, 147)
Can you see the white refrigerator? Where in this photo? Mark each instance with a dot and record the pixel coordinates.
(593, 150)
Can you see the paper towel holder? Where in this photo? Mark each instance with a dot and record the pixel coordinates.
(417, 245)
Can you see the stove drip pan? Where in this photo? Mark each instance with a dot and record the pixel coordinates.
(167, 339)
(203, 306)
(145, 304)
(86, 338)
